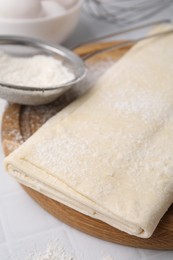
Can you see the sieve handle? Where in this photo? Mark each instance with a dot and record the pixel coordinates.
(126, 43)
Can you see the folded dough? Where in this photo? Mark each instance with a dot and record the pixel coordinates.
(109, 154)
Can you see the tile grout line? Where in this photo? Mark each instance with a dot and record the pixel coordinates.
(71, 240)
(23, 238)
(3, 229)
(8, 194)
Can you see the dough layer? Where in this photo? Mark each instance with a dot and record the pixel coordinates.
(109, 154)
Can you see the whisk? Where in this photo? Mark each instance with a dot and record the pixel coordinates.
(123, 12)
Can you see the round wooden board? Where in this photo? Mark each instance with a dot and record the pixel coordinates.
(20, 122)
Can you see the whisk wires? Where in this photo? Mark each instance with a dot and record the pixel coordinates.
(123, 12)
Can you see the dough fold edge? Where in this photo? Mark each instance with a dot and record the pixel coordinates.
(95, 212)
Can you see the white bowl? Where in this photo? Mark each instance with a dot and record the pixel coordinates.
(54, 29)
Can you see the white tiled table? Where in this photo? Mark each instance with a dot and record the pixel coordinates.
(25, 227)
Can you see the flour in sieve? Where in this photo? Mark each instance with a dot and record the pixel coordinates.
(37, 71)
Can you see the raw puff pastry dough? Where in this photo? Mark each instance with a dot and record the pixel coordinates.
(109, 154)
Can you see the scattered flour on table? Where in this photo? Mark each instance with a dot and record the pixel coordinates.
(37, 71)
(53, 251)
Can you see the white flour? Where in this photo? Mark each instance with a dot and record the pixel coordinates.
(37, 71)
(54, 251)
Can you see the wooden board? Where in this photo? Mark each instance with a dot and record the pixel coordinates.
(20, 122)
